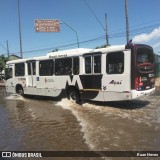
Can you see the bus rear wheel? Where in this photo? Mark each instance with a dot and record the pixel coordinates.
(20, 91)
(73, 95)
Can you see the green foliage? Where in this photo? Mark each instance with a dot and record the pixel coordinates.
(55, 50)
(102, 46)
(3, 61)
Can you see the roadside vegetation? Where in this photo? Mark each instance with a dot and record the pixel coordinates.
(3, 61)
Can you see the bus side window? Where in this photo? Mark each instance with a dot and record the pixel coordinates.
(63, 66)
(19, 69)
(29, 68)
(88, 65)
(97, 64)
(76, 65)
(46, 68)
(34, 68)
(58, 67)
(115, 63)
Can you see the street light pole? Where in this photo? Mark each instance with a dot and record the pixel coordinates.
(73, 30)
(20, 35)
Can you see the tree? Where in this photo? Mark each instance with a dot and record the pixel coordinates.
(3, 61)
(102, 46)
(55, 50)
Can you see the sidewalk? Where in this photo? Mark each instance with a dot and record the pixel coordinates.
(157, 82)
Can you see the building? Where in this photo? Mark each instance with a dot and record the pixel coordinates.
(13, 57)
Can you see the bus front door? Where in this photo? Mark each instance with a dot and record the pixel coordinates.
(9, 81)
(116, 83)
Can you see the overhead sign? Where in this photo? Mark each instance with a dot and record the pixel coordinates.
(44, 25)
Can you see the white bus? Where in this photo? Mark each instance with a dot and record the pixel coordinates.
(115, 73)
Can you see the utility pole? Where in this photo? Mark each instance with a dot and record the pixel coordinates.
(127, 24)
(107, 40)
(20, 35)
(7, 49)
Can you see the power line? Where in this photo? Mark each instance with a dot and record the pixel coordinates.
(62, 46)
(94, 15)
(101, 37)
(3, 47)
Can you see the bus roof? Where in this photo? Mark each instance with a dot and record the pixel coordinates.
(110, 48)
(70, 52)
(80, 51)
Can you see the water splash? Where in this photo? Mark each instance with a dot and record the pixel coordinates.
(83, 119)
(109, 117)
(15, 97)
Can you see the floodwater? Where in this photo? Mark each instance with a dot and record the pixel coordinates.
(38, 124)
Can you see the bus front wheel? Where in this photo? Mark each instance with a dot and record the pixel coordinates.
(73, 95)
(20, 90)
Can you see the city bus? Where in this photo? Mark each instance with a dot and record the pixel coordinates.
(114, 73)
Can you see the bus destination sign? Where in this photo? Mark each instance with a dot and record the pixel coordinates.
(44, 25)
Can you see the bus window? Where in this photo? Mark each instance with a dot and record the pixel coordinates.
(29, 68)
(19, 69)
(144, 55)
(33, 67)
(63, 66)
(115, 63)
(88, 65)
(46, 68)
(76, 65)
(97, 64)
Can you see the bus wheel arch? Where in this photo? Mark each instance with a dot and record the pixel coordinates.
(73, 94)
(19, 89)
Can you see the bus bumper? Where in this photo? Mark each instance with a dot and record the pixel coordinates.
(136, 94)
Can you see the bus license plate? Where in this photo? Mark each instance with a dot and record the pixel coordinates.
(151, 75)
(148, 87)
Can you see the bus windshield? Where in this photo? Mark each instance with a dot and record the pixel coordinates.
(144, 55)
(8, 73)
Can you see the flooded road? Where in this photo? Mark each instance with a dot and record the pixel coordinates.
(44, 125)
